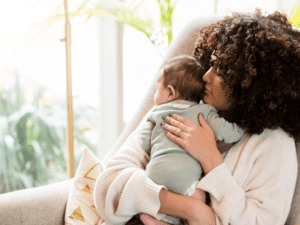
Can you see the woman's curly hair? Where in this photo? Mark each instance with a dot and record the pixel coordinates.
(258, 57)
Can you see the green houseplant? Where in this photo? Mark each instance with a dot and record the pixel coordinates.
(132, 13)
(33, 149)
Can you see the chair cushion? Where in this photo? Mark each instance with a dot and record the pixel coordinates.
(80, 207)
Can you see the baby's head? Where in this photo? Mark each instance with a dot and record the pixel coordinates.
(180, 78)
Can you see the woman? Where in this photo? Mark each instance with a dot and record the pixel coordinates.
(252, 79)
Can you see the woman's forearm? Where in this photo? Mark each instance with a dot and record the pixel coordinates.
(211, 161)
(185, 207)
(173, 204)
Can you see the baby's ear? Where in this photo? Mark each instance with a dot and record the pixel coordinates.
(171, 91)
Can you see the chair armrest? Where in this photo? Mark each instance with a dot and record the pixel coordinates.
(35, 206)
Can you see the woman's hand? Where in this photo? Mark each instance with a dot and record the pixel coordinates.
(190, 209)
(198, 141)
(149, 220)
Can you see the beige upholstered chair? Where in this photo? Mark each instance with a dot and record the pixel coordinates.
(46, 205)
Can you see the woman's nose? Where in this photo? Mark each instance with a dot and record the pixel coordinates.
(207, 75)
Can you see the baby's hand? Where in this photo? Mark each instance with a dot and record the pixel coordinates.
(199, 194)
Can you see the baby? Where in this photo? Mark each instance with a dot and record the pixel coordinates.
(180, 88)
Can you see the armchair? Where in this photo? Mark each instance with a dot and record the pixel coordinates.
(46, 205)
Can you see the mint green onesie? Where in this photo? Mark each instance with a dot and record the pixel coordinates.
(171, 165)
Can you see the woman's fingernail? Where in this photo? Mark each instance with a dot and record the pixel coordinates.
(166, 132)
(161, 124)
(164, 117)
(171, 114)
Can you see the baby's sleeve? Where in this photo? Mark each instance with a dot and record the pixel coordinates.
(224, 131)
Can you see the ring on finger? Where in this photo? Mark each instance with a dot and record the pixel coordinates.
(178, 132)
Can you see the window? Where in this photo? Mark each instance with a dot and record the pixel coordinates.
(33, 84)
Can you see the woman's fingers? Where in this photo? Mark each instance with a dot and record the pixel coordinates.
(181, 119)
(149, 220)
(178, 122)
(174, 130)
(177, 139)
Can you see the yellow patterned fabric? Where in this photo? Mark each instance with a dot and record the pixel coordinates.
(80, 207)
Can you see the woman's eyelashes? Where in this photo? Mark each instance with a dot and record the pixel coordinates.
(212, 64)
(219, 75)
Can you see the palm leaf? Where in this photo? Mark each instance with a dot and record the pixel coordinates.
(20, 100)
(112, 9)
(27, 181)
(40, 163)
(3, 153)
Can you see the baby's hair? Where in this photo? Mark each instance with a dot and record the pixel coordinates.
(185, 74)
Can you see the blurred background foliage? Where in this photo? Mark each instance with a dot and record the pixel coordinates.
(133, 13)
(33, 147)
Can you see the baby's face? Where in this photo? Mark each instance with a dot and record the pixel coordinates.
(161, 94)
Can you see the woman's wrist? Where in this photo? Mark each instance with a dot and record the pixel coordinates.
(202, 214)
(211, 161)
(185, 207)
(173, 204)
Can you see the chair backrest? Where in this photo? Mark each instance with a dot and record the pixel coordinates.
(185, 44)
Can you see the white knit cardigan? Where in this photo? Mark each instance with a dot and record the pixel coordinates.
(254, 185)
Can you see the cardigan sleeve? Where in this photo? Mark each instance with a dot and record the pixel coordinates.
(124, 189)
(259, 188)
